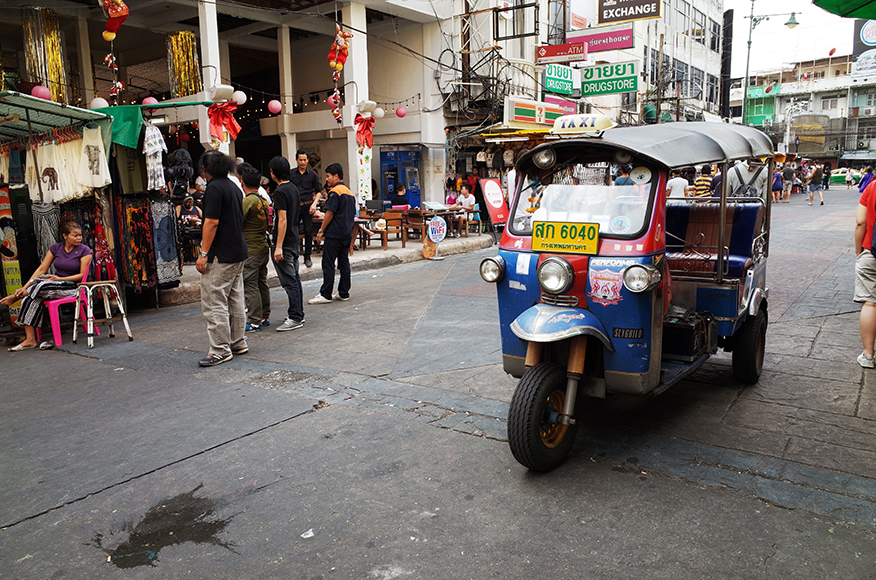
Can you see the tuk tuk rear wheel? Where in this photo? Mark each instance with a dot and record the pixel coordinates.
(749, 347)
(537, 440)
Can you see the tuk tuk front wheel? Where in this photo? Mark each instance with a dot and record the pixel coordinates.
(748, 350)
(538, 441)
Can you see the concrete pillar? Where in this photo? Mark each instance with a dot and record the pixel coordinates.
(355, 70)
(210, 61)
(83, 49)
(288, 141)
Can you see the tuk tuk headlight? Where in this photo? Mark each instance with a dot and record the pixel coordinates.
(544, 158)
(555, 275)
(492, 269)
(641, 277)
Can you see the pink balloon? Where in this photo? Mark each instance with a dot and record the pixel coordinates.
(275, 106)
(401, 112)
(150, 101)
(41, 92)
(332, 102)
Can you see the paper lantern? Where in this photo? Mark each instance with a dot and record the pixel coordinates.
(98, 103)
(275, 106)
(150, 101)
(239, 97)
(185, 137)
(109, 36)
(401, 112)
(379, 113)
(41, 92)
(332, 102)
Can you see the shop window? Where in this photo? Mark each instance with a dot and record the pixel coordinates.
(713, 88)
(698, 26)
(714, 36)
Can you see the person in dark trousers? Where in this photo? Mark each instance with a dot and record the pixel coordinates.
(336, 234)
(307, 182)
(286, 216)
(220, 261)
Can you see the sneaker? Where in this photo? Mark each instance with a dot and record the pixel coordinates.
(319, 299)
(211, 360)
(252, 328)
(308, 262)
(290, 324)
(241, 350)
(339, 297)
(868, 361)
(266, 322)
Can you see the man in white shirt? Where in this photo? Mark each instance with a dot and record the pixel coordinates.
(675, 187)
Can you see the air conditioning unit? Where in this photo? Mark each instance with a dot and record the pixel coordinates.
(863, 144)
(868, 112)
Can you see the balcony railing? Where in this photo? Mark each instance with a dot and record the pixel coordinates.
(521, 77)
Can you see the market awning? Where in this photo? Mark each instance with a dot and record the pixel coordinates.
(859, 156)
(849, 8)
(17, 109)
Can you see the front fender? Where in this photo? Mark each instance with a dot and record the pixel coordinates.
(545, 323)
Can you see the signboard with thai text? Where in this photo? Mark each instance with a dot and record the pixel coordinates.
(568, 107)
(495, 199)
(603, 38)
(558, 79)
(606, 79)
(612, 11)
(558, 53)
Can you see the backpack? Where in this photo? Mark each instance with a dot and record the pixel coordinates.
(746, 189)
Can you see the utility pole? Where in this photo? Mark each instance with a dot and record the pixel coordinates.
(659, 78)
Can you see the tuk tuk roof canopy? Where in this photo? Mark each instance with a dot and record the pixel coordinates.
(679, 145)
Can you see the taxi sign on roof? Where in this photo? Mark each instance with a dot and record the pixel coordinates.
(578, 124)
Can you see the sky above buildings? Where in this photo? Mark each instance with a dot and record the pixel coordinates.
(775, 46)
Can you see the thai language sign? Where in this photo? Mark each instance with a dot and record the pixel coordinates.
(603, 38)
(605, 79)
(570, 238)
(571, 52)
(558, 79)
(611, 11)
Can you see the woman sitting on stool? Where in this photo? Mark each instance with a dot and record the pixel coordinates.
(71, 259)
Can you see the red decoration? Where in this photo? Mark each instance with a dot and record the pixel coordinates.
(339, 50)
(222, 115)
(364, 125)
(116, 88)
(116, 11)
(110, 61)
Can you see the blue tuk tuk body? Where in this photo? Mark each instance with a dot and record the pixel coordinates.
(647, 301)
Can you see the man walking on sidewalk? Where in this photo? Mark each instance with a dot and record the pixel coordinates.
(255, 231)
(307, 182)
(337, 231)
(286, 216)
(865, 274)
(220, 261)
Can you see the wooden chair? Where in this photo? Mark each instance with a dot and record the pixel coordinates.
(395, 224)
(415, 222)
(473, 218)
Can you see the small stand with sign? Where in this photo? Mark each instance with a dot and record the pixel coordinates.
(496, 205)
(435, 233)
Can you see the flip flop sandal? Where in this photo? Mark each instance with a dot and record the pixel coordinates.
(19, 348)
(46, 345)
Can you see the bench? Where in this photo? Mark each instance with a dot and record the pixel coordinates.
(692, 237)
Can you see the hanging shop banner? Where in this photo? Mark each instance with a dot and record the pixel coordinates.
(604, 38)
(557, 53)
(558, 79)
(612, 11)
(495, 198)
(606, 79)
(526, 112)
(568, 107)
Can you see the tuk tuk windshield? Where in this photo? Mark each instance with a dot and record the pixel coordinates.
(584, 193)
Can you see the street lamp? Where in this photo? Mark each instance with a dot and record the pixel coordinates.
(754, 21)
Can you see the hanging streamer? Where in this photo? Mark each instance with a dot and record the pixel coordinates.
(43, 51)
(182, 63)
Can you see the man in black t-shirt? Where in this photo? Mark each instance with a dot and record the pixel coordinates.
(337, 228)
(286, 216)
(307, 182)
(220, 261)
(399, 197)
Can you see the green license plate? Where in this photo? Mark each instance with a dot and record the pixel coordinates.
(569, 238)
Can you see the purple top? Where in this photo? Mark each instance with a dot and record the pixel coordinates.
(68, 263)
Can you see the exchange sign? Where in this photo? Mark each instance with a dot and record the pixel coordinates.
(614, 11)
(620, 77)
(558, 79)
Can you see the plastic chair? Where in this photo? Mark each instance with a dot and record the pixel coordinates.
(53, 307)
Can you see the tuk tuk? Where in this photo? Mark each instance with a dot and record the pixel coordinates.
(611, 288)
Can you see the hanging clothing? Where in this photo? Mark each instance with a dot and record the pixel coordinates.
(16, 167)
(67, 159)
(50, 173)
(136, 245)
(164, 229)
(132, 169)
(93, 167)
(153, 146)
(46, 226)
(4, 166)
(31, 176)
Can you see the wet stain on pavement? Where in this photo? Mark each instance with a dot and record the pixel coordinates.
(179, 519)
